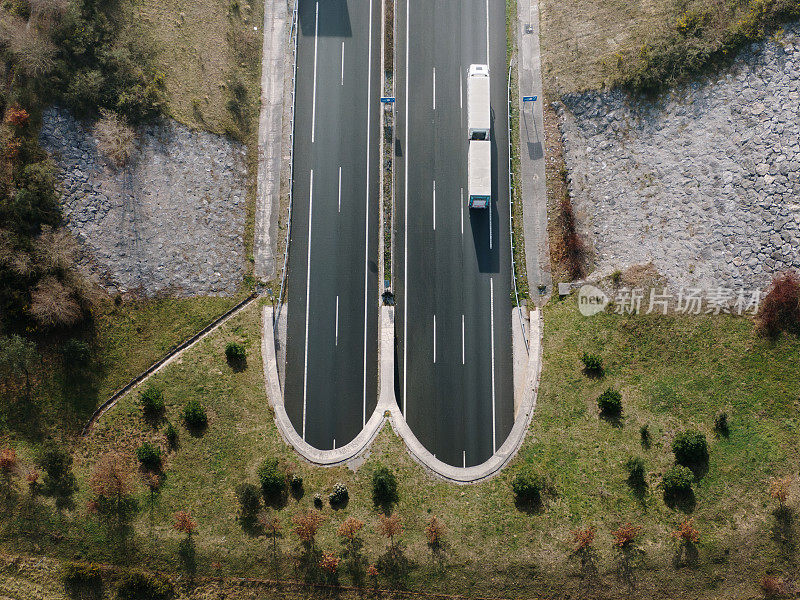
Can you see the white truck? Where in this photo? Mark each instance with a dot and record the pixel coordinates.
(479, 118)
(479, 122)
(479, 168)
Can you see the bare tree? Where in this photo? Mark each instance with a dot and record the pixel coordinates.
(32, 52)
(55, 250)
(54, 304)
(115, 137)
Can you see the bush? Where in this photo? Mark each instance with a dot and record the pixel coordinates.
(340, 495)
(194, 415)
(610, 403)
(690, 448)
(171, 434)
(592, 363)
(149, 456)
(780, 309)
(528, 487)
(152, 399)
(235, 354)
(677, 481)
(272, 479)
(138, 586)
(75, 355)
(82, 575)
(384, 486)
(249, 499)
(636, 472)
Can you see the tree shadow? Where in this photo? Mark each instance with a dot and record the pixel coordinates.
(639, 488)
(340, 504)
(629, 559)
(276, 501)
(686, 555)
(196, 431)
(699, 469)
(396, 566)
(682, 501)
(237, 364)
(187, 552)
(613, 419)
(529, 507)
(588, 562)
(783, 529)
(88, 588)
(596, 373)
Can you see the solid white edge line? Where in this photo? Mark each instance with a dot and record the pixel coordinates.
(340, 189)
(405, 234)
(491, 308)
(434, 205)
(487, 32)
(464, 458)
(342, 63)
(314, 94)
(434, 88)
(337, 321)
(462, 211)
(366, 220)
(434, 339)
(308, 294)
(463, 354)
(489, 206)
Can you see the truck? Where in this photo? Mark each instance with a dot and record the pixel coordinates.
(479, 173)
(478, 107)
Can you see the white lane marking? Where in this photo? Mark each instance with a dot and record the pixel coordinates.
(366, 220)
(337, 320)
(342, 63)
(461, 92)
(334, 443)
(464, 458)
(487, 32)
(434, 338)
(463, 355)
(405, 237)
(462, 211)
(340, 189)
(434, 88)
(308, 295)
(491, 308)
(434, 205)
(490, 224)
(314, 95)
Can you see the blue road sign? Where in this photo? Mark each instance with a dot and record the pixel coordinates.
(530, 98)
(387, 99)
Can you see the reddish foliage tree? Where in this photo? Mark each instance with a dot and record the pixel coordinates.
(307, 525)
(184, 523)
(17, 116)
(779, 489)
(390, 527)
(686, 532)
(329, 562)
(349, 528)
(111, 477)
(772, 586)
(625, 535)
(33, 480)
(435, 531)
(780, 309)
(8, 463)
(583, 538)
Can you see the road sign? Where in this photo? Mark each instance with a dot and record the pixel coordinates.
(387, 99)
(530, 98)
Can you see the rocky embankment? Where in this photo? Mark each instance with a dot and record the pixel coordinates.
(703, 182)
(170, 221)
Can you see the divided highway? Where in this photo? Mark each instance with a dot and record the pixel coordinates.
(452, 264)
(330, 389)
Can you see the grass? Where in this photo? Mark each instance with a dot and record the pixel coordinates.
(649, 45)
(674, 374)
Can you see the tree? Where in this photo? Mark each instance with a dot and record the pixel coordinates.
(149, 456)
(9, 467)
(610, 403)
(115, 138)
(194, 415)
(272, 479)
(307, 525)
(18, 359)
(390, 527)
(584, 549)
(352, 542)
(75, 355)
(54, 304)
(236, 355)
(113, 501)
(384, 487)
(329, 563)
(780, 310)
(272, 530)
(528, 487)
(779, 489)
(625, 538)
(687, 537)
(186, 549)
(435, 531)
(690, 449)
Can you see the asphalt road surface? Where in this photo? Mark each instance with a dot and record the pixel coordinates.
(452, 264)
(331, 356)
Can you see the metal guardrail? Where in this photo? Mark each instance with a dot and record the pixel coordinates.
(511, 189)
(293, 40)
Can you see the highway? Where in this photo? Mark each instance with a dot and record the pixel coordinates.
(330, 386)
(454, 380)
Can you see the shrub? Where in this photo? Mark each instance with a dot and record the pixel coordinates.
(75, 355)
(249, 499)
(115, 137)
(54, 304)
(235, 354)
(528, 487)
(610, 403)
(780, 309)
(340, 495)
(636, 471)
(272, 479)
(194, 415)
(592, 363)
(616, 277)
(384, 486)
(171, 434)
(690, 448)
(149, 456)
(138, 586)
(721, 425)
(677, 481)
(152, 399)
(82, 575)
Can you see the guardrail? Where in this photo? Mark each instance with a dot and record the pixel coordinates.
(511, 189)
(293, 41)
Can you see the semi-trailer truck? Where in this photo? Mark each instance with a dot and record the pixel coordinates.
(479, 168)
(478, 108)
